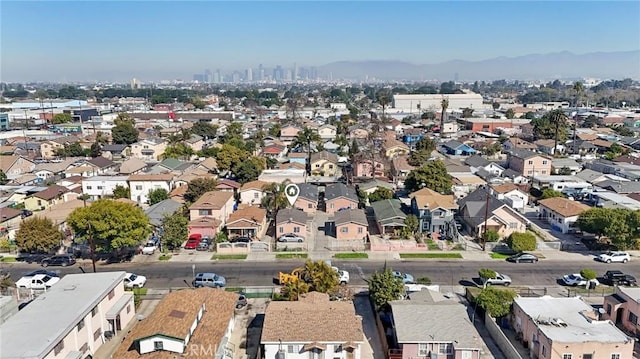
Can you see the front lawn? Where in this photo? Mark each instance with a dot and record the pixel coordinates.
(8, 259)
(443, 255)
(165, 257)
(495, 255)
(351, 256)
(229, 257)
(291, 255)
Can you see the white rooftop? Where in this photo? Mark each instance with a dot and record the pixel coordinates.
(105, 178)
(561, 319)
(633, 293)
(34, 331)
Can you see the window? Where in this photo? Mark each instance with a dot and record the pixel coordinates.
(309, 205)
(544, 172)
(445, 348)
(39, 203)
(58, 348)
(567, 356)
(158, 345)
(609, 309)
(360, 230)
(112, 293)
(256, 195)
(423, 350)
(529, 172)
(99, 187)
(317, 165)
(544, 351)
(513, 225)
(530, 162)
(138, 187)
(296, 229)
(544, 162)
(80, 324)
(204, 212)
(587, 356)
(344, 230)
(281, 229)
(96, 334)
(633, 318)
(89, 187)
(94, 311)
(330, 167)
(615, 356)
(128, 309)
(333, 205)
(292, 349)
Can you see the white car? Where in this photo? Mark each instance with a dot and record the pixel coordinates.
(149, 248)
(343, 275)
(38, 281)
(576, 279)
(614, 257)
(134, 281)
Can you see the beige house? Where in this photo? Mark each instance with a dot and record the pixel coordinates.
(10, 220)
(291, 220)
(250, 221)
(351, 224)
(324, 164)
(16, 166)
(358, 133)
(90, 309)
(529, 164)
(149, 149)
(195, 142)
(44, 199)
(327, 132)
(289, 133)
(561, 213)
(568, 328)
(393, 148)
(252, 192)
(623, 308)
(214, 204)
(48, 148)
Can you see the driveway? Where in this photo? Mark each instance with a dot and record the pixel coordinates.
(320, 242)
(569, 241)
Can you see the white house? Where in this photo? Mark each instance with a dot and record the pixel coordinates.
(327, 132)
(141, 184)
(315, 328)
(101, 186)
(511, 194)
(561, 213)
(252, 192)
(89, 308)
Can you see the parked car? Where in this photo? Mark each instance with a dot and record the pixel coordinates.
(32, 257)
(614, 257)
(41, 271)
(523, 258)
(39, 281)
(290, 237)
(405, 277)
(616, 277)
(192, 242)
(134, 281)
(203, 246)
(149, 248)
(499, 279)
(209, 280)
(242, 301)
(59, 260)
(241, 240)
(577, 280)
(343, 275)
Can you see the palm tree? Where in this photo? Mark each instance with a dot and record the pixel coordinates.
(294, 289)
(274, 198)
(384, 99)
(445, 105)
(306, 137)
(578, 87)
(321, 277)
(557, 118)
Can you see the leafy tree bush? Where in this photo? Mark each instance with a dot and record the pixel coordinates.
(550, 193)
(157, 195)
(521, 242)
(124, 131)
(174, 230)
(121, 192)
(497, 302)
(486, 273)
(198, 187)
(492, 235)
(620, 225)
(384, 287)
(588, 274)
(433, 175)
(380, 194)
(38, 234)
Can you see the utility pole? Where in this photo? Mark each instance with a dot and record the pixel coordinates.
(486, 218)
(92, 245)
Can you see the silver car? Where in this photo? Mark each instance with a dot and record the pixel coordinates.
(290, 237)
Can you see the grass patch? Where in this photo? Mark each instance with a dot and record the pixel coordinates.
(138, 293)
(234, 289)
(600, 290)
(433, 246)
(229, 256)
(431, 255)
(8, 259)
(292, 255)
(350, 256)
(495, 255)
(165, 257)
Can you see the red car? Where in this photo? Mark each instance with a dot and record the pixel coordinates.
(193, 241)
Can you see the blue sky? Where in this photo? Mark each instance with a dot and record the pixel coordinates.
(58, 40)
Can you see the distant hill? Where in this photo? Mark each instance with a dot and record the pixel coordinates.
(604, 65)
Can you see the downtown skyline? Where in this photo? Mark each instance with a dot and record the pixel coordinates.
(116, 41)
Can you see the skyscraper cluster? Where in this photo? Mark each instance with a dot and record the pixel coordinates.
(276, 74)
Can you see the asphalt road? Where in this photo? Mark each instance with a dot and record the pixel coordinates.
(452, 272)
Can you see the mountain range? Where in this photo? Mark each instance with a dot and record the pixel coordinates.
(559, 65)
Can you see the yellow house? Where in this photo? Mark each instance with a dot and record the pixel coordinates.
(324, 164)
(44, 199)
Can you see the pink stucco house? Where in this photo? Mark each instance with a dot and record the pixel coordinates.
(351, 224)
(623, 308)
(289, 133)
(307, 200)
(291, 220)
(364, 166)
(340, 197)
(214, 204)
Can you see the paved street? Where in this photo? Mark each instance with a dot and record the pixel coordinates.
(241, 273)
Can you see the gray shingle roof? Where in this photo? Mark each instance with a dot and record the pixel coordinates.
(340, 190)
(293, 214)
(350, 216)
(389, 211)
(476, 161)
(157, 211)
(308, 191)
(475, 203)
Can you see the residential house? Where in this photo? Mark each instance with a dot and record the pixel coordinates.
(351, 224)
(400, 169)
(561, 213)
(389, 216)
(393, 148)
(209, 164)
(172, 165)
(28, 179)
(50, 170)
(202, 322)
(358, 133)
(324, 164)
(512, 176)
(90, 309)
(10, 220)
(16, 166)
(252, 192)
(511, 194)
(339, 197)
(79, 169)
(157, 212)
(205, 226)
(214, 204)
(327, 132)
(529, 164)
(115, 152)
(582, 148)
(422, 328)
(500, 217)
(277, 152)
(44, 199)
(132, 166)
(250, 221)
(371, 186)
(149, 149)
(298, 157)
(365, 165)
(101, 165)
(307, 200)
(561, 328)
(465, 183)
(435, 211)
(291, 220)
(48, 148)
(624, 187)
(623, 308)
(227, 185)
(517, 143)
(456, 148)
(602, 145)
(141, 184)
(195, 142)
(312, 327)
(411, 136)
(546, 147)
(564, 166)
(293, 174)
(289, 133)
(103, 186)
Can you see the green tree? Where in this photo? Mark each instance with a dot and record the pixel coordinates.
(588, 274)
(121, 192)
(497, 302)
(230, 155)
(545, 126)
(492, 149)
(274, 198)
(433, 175)
(61, 118)
(112, 224)
(495, 106)
(384, 287)
(124, 131)
(426, 144)
(95, 150)
(550, 193)
(234, 133)
(521, 242)
(3, 178)
(275, 130)
(381, 193)
(467, 112)
(492, 236)
(305, 138)
(558, 119)
(510, 113)
(444, 104)
(199, 186)
(486, 273)
(38, 234)
(578, 87)
(178, 150)
(620, 225)
(174, 230)
(422, 152)
(320, 276)
(6, 281)
(157, 195)
(412, 223)
(249, 169)
(292, 290)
